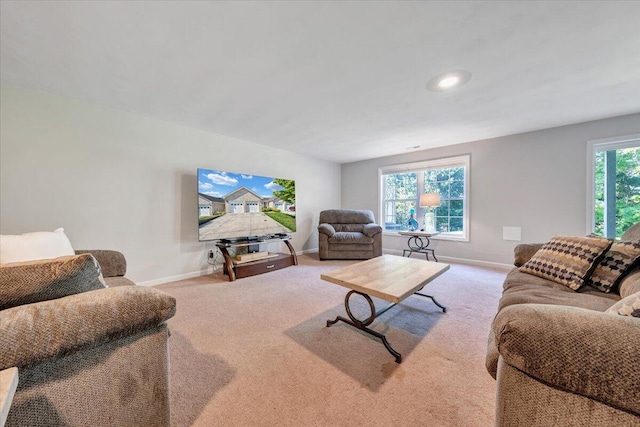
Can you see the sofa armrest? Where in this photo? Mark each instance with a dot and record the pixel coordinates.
(31, 333)
(523, 253)
(112, 263)
(371, 230)
(581, 351)
(327, 229)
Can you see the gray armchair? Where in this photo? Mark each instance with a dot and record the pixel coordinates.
(349, 234)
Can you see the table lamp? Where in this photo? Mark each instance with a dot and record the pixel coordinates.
(429, 201)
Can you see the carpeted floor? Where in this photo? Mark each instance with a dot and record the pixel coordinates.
(257, 352)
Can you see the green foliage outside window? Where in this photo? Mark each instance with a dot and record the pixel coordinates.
(401, 195)
(449, 182)
(627, 189)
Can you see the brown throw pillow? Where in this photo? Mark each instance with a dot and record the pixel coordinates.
(617, 261)
(33, 281)
(567, 260)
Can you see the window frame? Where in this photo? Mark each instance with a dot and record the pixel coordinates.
(594, 146)
(419, 167)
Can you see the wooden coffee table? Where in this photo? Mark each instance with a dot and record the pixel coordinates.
(388, 277)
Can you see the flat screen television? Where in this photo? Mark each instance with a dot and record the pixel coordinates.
(237, 206)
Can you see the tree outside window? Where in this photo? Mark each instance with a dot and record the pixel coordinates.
(449, 183)
(617, 190)
(401, 192)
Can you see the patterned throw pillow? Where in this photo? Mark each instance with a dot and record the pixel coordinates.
(567, 260)
(618, 260)
(629, 306)
(43, 280)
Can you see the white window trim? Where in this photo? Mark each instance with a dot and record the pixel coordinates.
(462, 160)
(593, 146)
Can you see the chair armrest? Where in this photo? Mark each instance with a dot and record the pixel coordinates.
(371, 230)
(112, 263)
(581, 351)
(523, 253)
(31, 333)
(327, 229)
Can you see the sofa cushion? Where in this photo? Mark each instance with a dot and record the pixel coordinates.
(630, 284)
(33, 281)
(617, 261)
(524, 288)
(112, 263)
(35, 332)
(370, 230)
(34, 246)
(629, 306)
(523, 253)
(350, 238)
(349, 228)
(326, 229)
(567, 260)
(578, 351)
(346, 216)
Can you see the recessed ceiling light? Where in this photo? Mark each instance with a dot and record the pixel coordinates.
(448, 81)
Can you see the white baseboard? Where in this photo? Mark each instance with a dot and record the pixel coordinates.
(191, 275)
(175, 278)
(490, 264)
(308, 251)
(184, 276)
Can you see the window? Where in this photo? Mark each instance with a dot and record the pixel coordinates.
(402, 185)
(613, 183)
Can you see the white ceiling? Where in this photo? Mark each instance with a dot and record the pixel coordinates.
(343, 81)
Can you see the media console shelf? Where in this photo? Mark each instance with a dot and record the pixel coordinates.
(251, 268)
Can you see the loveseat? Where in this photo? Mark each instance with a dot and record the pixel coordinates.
(348, 234)
(565, 357)
(87, 355)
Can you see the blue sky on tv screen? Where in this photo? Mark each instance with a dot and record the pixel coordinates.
(218, 183)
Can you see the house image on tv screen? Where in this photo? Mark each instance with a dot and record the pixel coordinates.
(239, 201)
(234, 205)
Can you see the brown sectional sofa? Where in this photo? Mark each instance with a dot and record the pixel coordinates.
(94, 358)
(558, 358)
(113, 266)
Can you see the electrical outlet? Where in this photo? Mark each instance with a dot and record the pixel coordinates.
(210, 253)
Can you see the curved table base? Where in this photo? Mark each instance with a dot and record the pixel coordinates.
(418, 246)
(362, 324)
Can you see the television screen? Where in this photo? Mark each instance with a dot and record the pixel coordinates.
(235, 205)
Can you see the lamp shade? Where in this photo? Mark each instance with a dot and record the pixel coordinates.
(429, 200)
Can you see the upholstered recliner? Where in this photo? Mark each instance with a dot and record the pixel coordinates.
(349, 234)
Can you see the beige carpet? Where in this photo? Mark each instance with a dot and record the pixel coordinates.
(257, 352)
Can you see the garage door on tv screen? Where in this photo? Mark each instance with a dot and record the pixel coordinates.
(237, 205)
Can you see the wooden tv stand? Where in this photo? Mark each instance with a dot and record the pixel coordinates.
(238, 271)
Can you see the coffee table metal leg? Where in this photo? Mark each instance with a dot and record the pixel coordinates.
(362, 325)
(444, 309)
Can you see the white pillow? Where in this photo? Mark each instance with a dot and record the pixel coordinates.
(34, 246)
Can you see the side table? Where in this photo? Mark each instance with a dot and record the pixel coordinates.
(419, 243)
(8, 385)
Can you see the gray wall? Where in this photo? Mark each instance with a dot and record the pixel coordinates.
(535, 180)
(116, 180)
